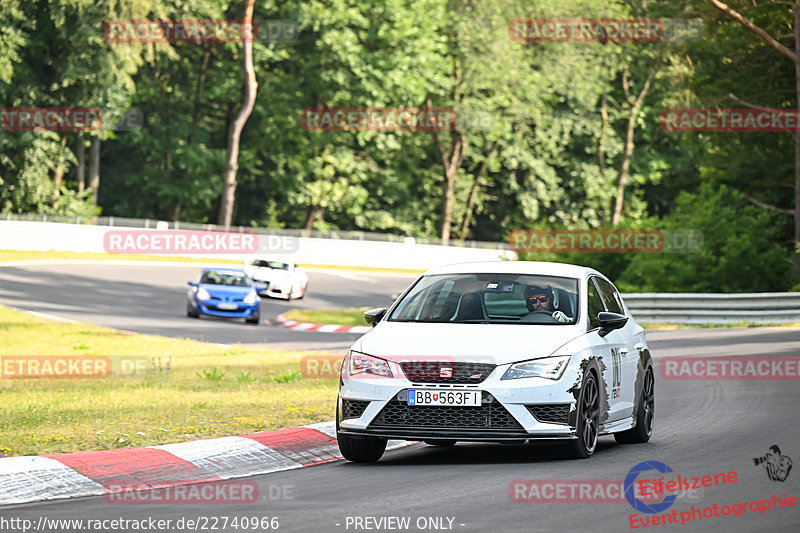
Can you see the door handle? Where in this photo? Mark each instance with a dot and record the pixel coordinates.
(623, 351)
(639, 346)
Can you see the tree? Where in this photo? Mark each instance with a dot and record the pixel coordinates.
(235, 132)
(793, 55)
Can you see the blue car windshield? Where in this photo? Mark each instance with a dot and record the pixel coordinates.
(225, 277)
(490, 298)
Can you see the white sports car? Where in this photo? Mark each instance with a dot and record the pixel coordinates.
(278, 279)
(509, 351)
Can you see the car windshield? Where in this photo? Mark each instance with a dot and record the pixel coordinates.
(490, 298)
(225, 277)
(270, 264)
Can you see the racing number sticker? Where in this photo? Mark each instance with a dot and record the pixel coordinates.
(616, 371)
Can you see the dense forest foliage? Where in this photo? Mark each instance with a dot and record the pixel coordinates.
(556, 134)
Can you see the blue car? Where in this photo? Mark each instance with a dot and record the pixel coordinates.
(224, 292)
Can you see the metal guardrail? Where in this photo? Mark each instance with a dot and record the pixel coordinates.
(314, 234)
(688, 308)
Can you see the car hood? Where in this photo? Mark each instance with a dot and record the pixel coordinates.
(226, 291)
(496, 343)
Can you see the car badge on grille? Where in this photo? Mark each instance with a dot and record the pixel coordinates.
(445, 372)
(475, 376)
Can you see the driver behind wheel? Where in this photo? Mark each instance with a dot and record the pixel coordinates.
(541, 299)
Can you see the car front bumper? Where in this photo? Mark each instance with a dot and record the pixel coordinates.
(208, 307)
(272, 289)
(508, 413)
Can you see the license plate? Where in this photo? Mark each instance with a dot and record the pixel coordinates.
(441, 397)
(227, 306)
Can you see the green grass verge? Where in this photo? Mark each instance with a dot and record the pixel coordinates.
(351, 316)
(170, 401)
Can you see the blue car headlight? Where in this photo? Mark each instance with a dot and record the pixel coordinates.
(547, 367)
(250, 298)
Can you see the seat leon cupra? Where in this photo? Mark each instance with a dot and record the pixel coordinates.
(507, 351)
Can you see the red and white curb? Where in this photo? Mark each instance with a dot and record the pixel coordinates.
(71, 475)
(282, 322)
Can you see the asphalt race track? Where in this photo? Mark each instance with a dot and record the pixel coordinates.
(152, 299)
(702, 428)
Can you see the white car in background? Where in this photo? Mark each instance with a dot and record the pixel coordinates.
(508, 351)
(277, 279)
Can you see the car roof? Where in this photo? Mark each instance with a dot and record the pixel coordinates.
(270, 259)
(514, 267)
(238, 270)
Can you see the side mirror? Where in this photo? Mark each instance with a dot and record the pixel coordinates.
(610, 321)
(191, 283)
(373, 316)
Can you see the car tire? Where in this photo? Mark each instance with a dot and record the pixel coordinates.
(446, 443)
(253, 319)
(361, 449)
(587, 421)
(191, 312)
(289, 294)
(645, 414)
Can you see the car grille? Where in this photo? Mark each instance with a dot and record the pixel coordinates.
(556, 413)
(353, 408)
(488, 416)
(431, 371)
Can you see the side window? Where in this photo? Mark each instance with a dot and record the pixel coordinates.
(610, 296)
(595, 304)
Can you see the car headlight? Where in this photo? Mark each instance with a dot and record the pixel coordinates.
(202, 294)
(250, 298)
(548, 367)
(359, 363)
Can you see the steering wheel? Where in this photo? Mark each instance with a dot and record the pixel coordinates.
(542, 311)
